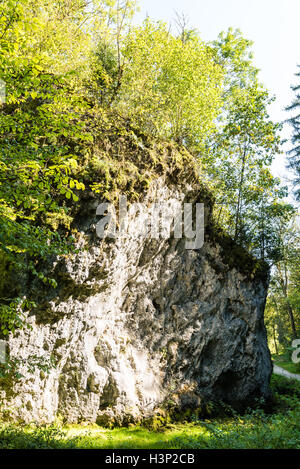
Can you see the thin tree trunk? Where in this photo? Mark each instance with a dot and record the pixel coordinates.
(219, 215)
(290, 310)
(263, 232)
(237, 218)
(284, 286)
(292, 319)
(274, 338)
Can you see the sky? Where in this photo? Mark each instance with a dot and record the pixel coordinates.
(273, 26)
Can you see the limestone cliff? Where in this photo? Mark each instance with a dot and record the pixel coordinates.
(135, 323)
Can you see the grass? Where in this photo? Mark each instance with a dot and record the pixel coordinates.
(276, 429)
(286, 364)
(291, 367)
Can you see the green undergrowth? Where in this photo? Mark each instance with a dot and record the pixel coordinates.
(277, 427)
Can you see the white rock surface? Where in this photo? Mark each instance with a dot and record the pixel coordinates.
(135, 321)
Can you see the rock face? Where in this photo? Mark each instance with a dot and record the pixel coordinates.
(137, 322)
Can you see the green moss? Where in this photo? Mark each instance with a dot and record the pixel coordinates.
(7, 385)
(122, 160)
(158, 421)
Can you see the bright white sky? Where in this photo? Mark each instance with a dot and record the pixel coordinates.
(273, 25)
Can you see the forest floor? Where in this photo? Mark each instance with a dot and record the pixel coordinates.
(274, 426)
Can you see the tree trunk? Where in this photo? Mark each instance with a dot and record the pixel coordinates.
(274, 338)
(284, 286)
(237, 218)
(292, 319)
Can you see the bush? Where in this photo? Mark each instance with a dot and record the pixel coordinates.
(44, 437)
(285, 387)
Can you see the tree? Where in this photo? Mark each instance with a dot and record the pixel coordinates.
(283, 312)
(42, 48)
(240, 151)
(170, 89)
(109, 62)
(294, 121)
